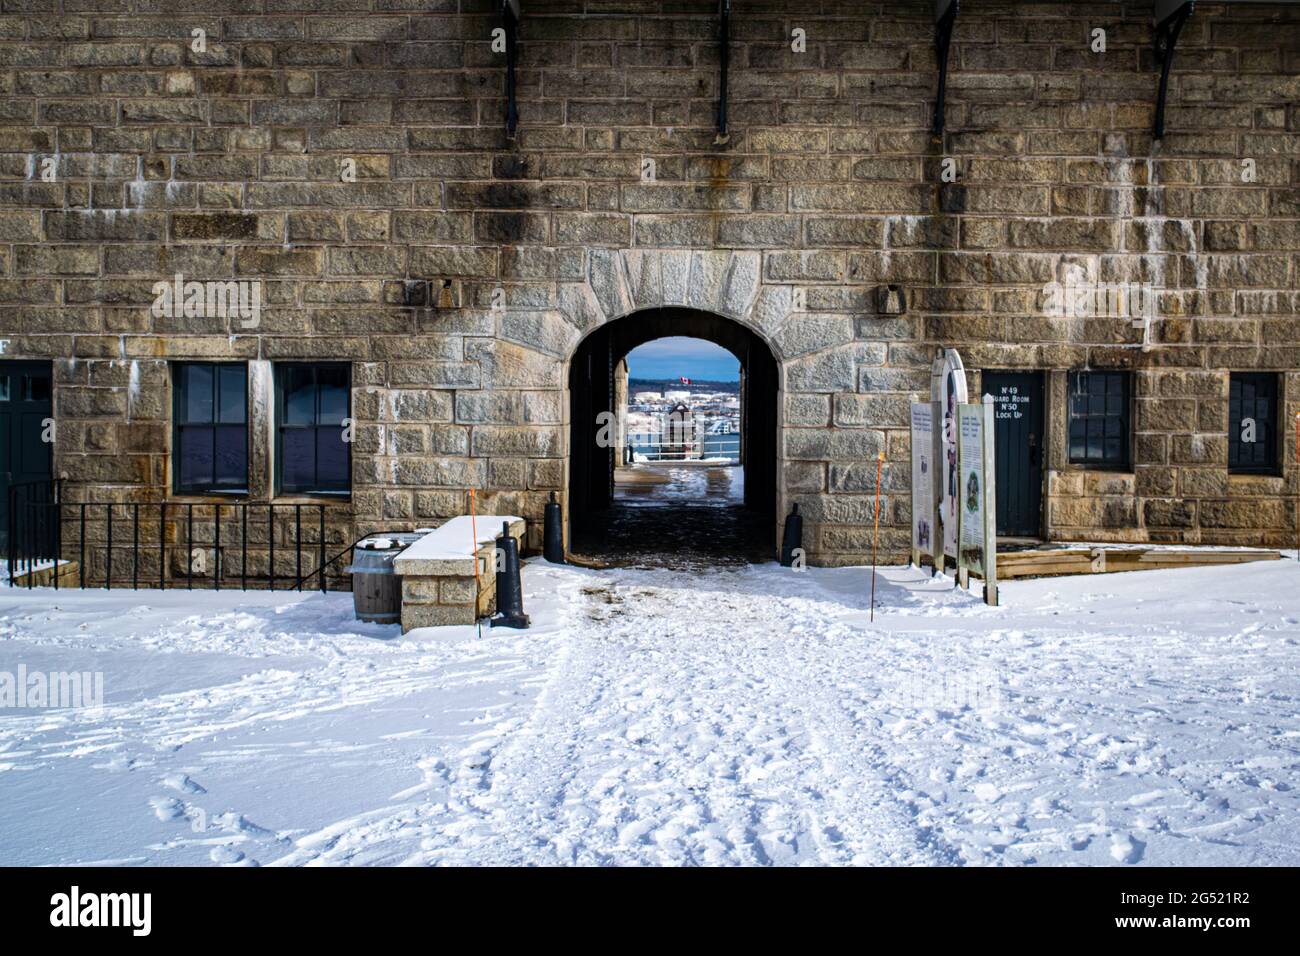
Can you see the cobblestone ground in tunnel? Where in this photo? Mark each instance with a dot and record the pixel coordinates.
(676, 516)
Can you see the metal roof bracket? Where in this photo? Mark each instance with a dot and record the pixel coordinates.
(724, 38)
(510, 16)
(945, 15)
(1171, 16)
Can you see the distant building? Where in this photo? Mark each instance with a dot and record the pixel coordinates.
(680, 432)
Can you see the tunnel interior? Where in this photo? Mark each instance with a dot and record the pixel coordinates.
(712, 523)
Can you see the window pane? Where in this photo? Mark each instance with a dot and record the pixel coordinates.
(298, 459)
(196, 393)
(1253, 396)
(332, 451)
(231, 395)
(231, 465)
(1099, 418)
(195, 457)
(333, 395)
(4, 388)
(36, 388)
(299, 395)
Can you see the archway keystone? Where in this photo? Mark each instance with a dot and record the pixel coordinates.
(621, 282)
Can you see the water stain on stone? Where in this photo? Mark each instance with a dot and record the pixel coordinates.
(508, 227)
(511, 167)
(952, 198)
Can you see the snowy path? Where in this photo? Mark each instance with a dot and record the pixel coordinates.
(747, 716)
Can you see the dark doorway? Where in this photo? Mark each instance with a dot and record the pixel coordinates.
(1018, 432)
(711, 520)
(25, 456)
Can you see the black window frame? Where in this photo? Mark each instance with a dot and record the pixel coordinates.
(281, 370)
(1265, 460)
(181, 423)
(1104, 462)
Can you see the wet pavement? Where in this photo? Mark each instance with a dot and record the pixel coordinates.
(675, 516)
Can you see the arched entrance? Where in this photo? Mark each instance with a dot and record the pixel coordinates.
(599, 525)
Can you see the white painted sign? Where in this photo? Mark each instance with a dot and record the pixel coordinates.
(978, 495)
(924, 533)
(970, 420)
(948, 388)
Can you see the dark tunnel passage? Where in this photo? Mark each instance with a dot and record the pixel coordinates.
(625, 511)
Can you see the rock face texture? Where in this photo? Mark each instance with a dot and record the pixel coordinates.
(352, 157)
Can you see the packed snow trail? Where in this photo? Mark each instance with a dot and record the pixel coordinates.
(749, 716)
(716, 746)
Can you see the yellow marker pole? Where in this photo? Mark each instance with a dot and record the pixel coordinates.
(478, 584)
(875, 535)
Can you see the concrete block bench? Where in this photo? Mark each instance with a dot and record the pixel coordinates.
(438, 583)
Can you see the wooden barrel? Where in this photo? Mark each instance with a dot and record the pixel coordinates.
(376, 589)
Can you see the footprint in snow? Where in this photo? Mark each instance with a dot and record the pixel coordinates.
(986, 792)
(165, 808)
(182, 783)
(1126, 849)
(225, 855)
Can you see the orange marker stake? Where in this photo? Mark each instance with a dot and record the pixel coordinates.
(478, 584)
(875, 535)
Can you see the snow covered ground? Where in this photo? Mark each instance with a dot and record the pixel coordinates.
(749, 715)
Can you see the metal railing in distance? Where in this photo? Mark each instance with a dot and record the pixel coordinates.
(697, 448)
(210, 545)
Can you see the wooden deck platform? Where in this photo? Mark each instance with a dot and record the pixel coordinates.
(69, 576)
(1108, 559)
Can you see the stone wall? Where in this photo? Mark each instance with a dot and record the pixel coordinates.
(230, 162)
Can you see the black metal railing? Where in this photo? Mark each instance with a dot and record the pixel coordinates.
(215, 545)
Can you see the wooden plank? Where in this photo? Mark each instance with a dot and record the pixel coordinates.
(1102, 560)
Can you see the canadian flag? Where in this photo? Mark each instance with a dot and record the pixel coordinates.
(686, 381)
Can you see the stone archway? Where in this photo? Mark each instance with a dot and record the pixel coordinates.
(715, 529)
(631, 296)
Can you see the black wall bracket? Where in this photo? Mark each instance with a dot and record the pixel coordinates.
(945, 15)
(1171, 16)
(724, 40)
(510, 17)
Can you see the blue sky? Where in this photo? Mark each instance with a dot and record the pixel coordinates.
(678, 356)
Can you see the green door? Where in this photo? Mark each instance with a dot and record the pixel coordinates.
(25, 408)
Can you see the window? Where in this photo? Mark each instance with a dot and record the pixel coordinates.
(1099, 419)
(311, 453)
(1252, 423)
(210, 409)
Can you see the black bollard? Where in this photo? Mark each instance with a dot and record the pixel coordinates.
(510, 590)
(553, 533)
(792, 538)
